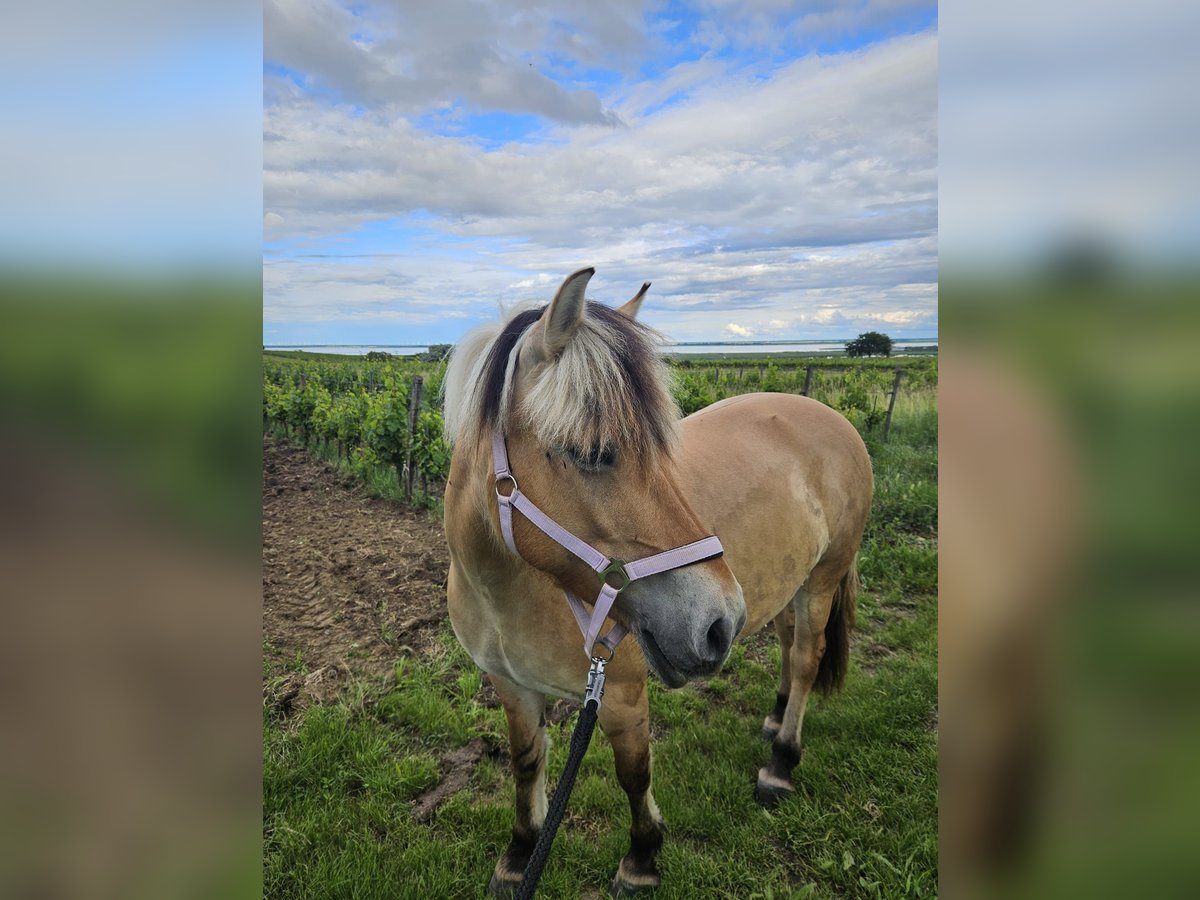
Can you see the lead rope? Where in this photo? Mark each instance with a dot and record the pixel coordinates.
(580, 739)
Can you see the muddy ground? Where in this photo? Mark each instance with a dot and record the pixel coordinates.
(350, 582)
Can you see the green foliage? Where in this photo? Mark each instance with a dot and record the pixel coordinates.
(322, 421)
(870, 343)
(693, 392)
(431, 450)
(349, 412)
(363, 461)
(385, 427)
(860, 408)
(361, 404)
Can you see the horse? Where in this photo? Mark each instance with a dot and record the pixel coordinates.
(581, 397)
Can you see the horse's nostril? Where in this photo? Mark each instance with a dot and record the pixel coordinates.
(720, 636)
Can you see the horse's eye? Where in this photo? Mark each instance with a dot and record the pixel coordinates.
(593, 458)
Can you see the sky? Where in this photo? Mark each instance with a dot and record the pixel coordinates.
(770, 167)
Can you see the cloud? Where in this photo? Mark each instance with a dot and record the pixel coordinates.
(731, 186)
(541, 280)
(738, 330)
(826, 152)
(417, 57)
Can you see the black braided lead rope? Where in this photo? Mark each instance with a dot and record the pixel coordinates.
(580, 740)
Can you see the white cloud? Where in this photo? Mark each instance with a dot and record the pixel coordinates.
(826, 152)
(541, 280)
(414, 57)
(739, 330)
(754, 194)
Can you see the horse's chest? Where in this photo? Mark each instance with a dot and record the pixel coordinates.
(500, 647)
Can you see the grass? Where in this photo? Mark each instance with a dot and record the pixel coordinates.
(338, 780)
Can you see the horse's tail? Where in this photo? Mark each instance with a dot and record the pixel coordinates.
(832, 671)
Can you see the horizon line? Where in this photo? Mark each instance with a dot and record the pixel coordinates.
(737, 343)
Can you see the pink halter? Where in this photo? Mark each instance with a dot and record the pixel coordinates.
(604, 566)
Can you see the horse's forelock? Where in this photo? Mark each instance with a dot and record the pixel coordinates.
(608, 386)
(474, 380)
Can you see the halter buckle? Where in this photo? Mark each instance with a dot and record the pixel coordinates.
(615, 567)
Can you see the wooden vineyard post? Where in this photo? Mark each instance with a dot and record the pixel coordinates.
(887, 423)
(302, 427)
(414, 404)
(807, 381)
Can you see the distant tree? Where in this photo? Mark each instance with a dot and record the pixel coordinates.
(870, 343)
(436, 352)
(378, 355)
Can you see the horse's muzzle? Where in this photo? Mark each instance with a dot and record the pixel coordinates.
(691, 647)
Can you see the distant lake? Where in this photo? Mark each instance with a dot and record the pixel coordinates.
(731, 349)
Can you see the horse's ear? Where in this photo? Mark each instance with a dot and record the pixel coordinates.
(565, 312)
(631, 308)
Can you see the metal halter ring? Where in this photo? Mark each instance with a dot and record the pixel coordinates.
(507, 476)
(604, 660)
(615, 567)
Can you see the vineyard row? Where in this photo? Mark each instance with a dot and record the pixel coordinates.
(381, 414)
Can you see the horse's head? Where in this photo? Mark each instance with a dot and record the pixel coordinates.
(583, 399)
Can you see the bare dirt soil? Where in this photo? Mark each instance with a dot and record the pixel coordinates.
(350, 582)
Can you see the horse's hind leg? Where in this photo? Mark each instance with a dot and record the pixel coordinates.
(625, 718)
(528, 747)
(824, 609)
(785, 627)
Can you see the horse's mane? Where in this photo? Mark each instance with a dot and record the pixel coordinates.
(608, 387)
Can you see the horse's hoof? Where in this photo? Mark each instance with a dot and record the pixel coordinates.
(622, 888)
(770, 791)
(503, 887)
(634, 875)
(769, 731)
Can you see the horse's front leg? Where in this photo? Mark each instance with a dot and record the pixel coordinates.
(528, 747)
(625, 719)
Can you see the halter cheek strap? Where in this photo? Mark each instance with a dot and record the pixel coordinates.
(606, 567)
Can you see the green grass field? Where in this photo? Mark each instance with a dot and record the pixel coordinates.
(338, 780)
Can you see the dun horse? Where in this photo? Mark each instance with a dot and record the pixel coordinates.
(580, 397)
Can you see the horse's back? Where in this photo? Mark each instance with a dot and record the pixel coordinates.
(785, 482)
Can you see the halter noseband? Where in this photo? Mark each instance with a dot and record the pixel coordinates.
(607, 567)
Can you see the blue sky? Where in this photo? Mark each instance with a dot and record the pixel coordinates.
(770, 168)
